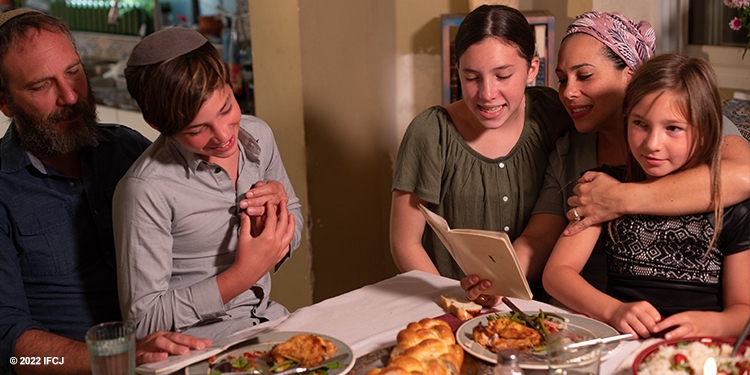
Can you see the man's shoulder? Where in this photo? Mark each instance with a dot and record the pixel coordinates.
(120, 131)
(121, 136)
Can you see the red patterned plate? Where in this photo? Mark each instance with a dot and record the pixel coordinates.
(645, 354)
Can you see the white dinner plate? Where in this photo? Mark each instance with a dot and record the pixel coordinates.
(465, 338)
(265, 342)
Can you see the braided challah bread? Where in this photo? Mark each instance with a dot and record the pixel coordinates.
(427, 347)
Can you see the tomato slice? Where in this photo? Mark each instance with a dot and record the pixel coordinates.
(679, 359)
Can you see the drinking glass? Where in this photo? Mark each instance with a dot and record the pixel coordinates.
(564, 360)
(111, 348)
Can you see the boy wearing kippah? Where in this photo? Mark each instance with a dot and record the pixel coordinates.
(204, 215)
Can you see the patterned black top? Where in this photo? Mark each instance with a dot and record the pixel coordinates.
(663, 259)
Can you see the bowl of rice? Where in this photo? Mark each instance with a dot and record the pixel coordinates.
(688, 356)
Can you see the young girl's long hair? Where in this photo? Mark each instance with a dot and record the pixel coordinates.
(694, 83)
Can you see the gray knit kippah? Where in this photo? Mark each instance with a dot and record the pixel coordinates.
(164, 45)
(6, 16)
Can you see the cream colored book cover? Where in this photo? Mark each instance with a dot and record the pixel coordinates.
(484, 253)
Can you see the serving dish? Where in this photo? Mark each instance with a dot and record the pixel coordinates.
(646, 354)
(266, 342)
(465, 338)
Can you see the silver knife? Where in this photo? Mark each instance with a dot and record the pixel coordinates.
(294, 370)
(525, 317)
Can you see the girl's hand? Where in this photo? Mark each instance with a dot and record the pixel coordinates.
(638, 318)
(684, 324)
(475, 288)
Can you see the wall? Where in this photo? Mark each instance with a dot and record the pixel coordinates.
(278, 101)
(348, 66)
(418, 60)
(362, 62)
(4, 123)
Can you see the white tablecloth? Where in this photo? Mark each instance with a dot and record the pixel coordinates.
(368, 319)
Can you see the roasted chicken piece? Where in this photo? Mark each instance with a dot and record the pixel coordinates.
(503, 333)
(311, 350)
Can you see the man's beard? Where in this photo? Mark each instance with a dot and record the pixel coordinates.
(42, 136)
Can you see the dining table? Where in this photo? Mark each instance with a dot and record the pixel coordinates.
(369, 318)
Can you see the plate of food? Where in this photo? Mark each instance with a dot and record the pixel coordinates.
(688, 356)
(275, 352)
(476, 335)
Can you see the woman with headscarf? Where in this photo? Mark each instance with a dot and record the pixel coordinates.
(598, 57)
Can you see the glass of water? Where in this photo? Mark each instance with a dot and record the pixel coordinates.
(111, 348)
(566, 360)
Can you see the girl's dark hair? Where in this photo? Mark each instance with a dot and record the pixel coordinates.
(496, 21)
(171, 93)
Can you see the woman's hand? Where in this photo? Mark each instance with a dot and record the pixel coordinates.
(638, 318)
(475, 288)
(595, 202)
(161, 344)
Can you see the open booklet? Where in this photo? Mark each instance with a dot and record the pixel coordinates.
(177, 362)
(484, 253)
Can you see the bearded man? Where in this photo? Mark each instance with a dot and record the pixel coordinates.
(58, 171)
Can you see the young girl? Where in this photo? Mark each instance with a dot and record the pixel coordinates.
(478, 162)
(683, 275)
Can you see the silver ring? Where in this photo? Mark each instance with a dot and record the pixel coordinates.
(575, 214)
(482, 298)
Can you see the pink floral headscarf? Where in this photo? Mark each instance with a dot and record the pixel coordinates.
(634, 43)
